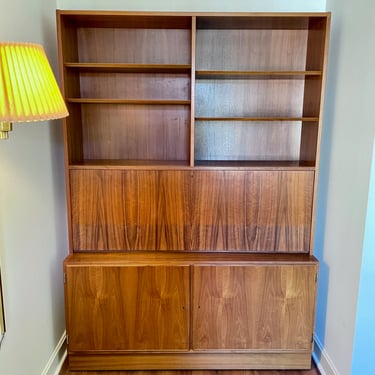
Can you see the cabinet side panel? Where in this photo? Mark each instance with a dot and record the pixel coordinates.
(257, 307)
(68, 51)
(116, 308)
(252, 211)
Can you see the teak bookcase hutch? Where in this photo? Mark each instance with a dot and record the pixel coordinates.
(191, 151)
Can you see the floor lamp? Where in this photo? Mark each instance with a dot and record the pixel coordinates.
(28, 92)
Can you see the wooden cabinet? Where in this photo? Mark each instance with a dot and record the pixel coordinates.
(192, 155)
(192, 311)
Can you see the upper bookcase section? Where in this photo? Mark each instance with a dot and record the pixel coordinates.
(188, 89)
(109, 37)
(125, 39)
(274, 45)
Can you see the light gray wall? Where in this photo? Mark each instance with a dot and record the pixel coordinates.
(33, 237)
(33, 234)
(345, 171)
(197, 5)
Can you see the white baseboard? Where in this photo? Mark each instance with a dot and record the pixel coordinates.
(322, 360)
(57, 358)
(320, 356)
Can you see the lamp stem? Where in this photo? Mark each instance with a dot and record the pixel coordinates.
(5, 127)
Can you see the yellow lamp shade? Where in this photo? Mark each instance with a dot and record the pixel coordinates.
(28, 89)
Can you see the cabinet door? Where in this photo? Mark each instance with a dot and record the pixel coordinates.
(260, 211)
(129, 210)
(253, 307)
(127, 307)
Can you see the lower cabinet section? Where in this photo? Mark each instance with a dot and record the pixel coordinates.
(138, 311)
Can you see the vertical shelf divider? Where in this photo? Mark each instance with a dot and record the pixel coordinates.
(192, 95)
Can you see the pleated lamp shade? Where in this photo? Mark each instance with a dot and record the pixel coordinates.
(28, 89)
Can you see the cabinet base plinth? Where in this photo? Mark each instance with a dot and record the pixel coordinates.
(190, 361)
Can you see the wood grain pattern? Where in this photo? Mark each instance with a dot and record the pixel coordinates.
(181, 210)
(127, 308)
(252, 211)
(129, 210)
(258, 307)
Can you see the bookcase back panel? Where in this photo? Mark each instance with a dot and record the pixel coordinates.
(249, 98)
(251, 49)
(244, 140)
(121, 45)
(135, 86)
(135, 132)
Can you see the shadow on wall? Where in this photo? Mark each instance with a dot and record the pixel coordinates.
(2, 316)
(325, 161)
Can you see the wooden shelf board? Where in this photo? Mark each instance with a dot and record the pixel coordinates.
(130, 164)
(129, 101)
(129, 68)
(127, 20)
(199, 164)
(160, 257)
(230, 74)
(256, 164)
(259, 119)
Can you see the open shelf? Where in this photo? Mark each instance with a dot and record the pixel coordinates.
(259, 119)
(129, 101)
(255, 165)
(267, 165)
(129, 164)
(240, 74)
(128, 68)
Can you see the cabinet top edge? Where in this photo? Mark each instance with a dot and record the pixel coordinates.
(186, 258)
(203, 20)
(191, 14)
